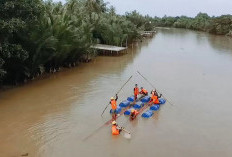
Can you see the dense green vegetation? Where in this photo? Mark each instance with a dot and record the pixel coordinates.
(38, 36)
(221, 25)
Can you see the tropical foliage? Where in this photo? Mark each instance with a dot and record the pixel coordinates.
(221, 25)
(38, 36)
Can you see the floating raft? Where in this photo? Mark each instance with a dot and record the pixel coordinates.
(146, 99)
(118, 110)
(147, 114)
(128, 112)
(138, 104)
(126, 103)
(131, 98)
(153, 108)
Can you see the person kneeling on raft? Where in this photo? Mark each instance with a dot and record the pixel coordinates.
(155, 97)
(133, 114)
(116, 130)
(143, 91)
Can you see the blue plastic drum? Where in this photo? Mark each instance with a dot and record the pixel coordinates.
(138, 105)
(146, 99)
(128, 112)
(131, 98)
(124, 103)
(155, 107)
(147, 114)
(162, 100)
(118, 110)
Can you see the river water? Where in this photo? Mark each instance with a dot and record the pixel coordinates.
(51, 117)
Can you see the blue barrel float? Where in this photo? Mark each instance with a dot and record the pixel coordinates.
(162, 101)
(128, 112)
(147, 114)
(155, 107)
(146, 99)
(138, 105)
(118, 110)
(131, 98)
(125, 103)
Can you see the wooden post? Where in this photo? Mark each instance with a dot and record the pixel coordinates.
(126, 41)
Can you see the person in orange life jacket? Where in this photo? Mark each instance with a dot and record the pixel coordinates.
(116, 130)
(153, 92)
(136, 91)
(113, 102)
(133, 114)
(143, 91)
(155, 97)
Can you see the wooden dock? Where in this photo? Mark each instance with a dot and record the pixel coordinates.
(147, 33)
(108, 49)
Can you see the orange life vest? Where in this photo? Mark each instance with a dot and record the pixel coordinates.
(155, 99)
(115, 131)
(113, 104)
(144, 91)
(135, 112)
(136, 91)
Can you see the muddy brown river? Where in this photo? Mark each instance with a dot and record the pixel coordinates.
(52, 116)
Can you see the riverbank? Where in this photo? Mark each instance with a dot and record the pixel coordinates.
(226, 35)
(45, 46)
(220, 25)
(84, 60)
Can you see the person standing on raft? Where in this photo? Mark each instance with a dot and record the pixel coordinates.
(116, 130)
(143, 91)
(113, 102)
(155, 97)
(136, 91)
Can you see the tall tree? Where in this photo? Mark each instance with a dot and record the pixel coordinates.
(15, 20)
